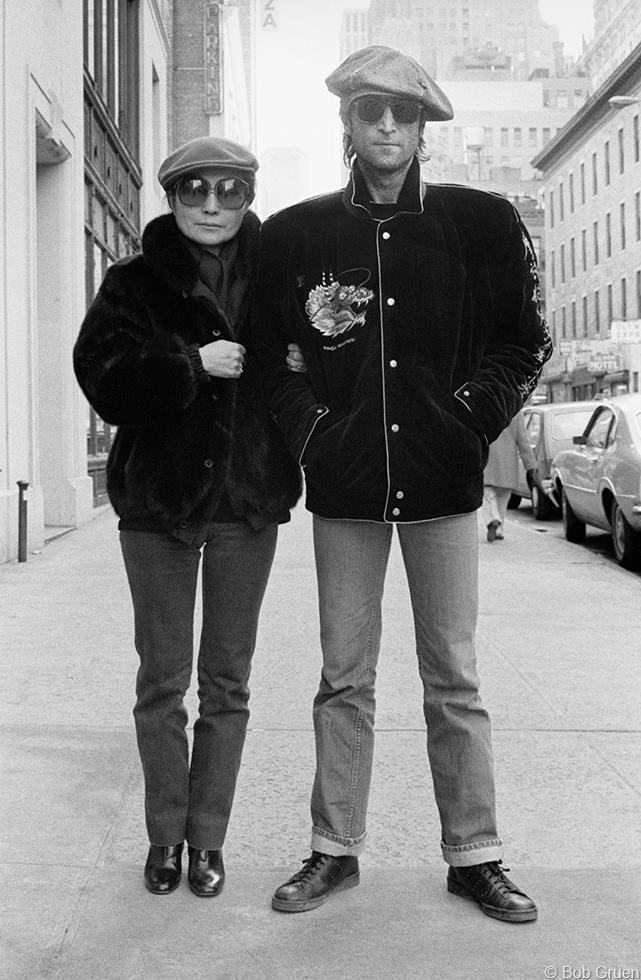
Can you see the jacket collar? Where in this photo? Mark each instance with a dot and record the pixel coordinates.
(165, 251)
(410, 201)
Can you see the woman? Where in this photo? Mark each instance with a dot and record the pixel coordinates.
(501, 475)
(196, 473)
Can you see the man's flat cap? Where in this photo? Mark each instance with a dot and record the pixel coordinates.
(378, 69)
(207, 151)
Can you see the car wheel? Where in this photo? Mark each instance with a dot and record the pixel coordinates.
(514, 501)
(573, 527)
(542, 507)
(625, 541)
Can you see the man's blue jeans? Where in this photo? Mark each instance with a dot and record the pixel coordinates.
(186, 800)
(441, 562)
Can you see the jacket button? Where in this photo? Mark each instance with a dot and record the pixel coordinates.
(466, 393)
(399, 495)
(391, 301)
(396, 512)
(394, 427)
(215, 333)
(393, 363)
(209, 463)
(385, 235)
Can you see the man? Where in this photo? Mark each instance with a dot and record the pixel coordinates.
(416, 309)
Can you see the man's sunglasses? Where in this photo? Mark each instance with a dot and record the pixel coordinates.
(371, 109)
(231, 192)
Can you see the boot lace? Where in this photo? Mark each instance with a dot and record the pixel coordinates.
(310, 866)
(496, 874)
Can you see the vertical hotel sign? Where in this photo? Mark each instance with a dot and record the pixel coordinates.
(268, 15)
(213, 60)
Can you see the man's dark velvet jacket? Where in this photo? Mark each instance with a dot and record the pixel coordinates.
(185, 440)
(420, 365)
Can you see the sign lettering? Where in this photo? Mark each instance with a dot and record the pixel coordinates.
(269, 15)
(213, 60)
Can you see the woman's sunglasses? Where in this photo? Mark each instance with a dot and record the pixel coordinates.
(231, 192)
(371, 109)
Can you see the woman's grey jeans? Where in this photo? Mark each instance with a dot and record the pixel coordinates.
(192, 800)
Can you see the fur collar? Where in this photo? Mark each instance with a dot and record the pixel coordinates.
(166, 254)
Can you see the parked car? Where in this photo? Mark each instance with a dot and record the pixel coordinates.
(550, 428)
(599, 480)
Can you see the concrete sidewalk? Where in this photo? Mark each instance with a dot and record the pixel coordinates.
(560, 658)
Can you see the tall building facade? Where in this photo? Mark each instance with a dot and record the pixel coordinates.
(592, 188)
(354, 33)
(617, 31)
(442, 34)
(92, 98)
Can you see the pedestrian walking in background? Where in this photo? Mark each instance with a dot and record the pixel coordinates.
(198, 476)
(416, 311)
(501, 476)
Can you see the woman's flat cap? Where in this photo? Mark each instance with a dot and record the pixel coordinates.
(207, 151)
(381, 70)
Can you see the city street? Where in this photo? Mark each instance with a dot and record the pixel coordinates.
(560, 659)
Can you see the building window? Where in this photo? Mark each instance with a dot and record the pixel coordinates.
(546, 135)
(582, 183)
(622, 223)
(573, 319)
(561, 202)
(584, 250)
(563, 323)
(595, 230)
(608, 235)
(597, 312)
(554, 327)
(517, 136)
(610, 304)
(606, 161)
(111, 59)
(639, 293)
(505, 136)
(621, 152)
(624, 298)
(551, 209)
(532, 136)
(585, 316)
(572, 258)
(112, 172)
(635, 381)
(635, 138)
(637, 215)
(571, 193)
(595, 181)
(562, 263)
(552, 269)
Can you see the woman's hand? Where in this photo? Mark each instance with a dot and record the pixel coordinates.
(295, 360)
(223, 358)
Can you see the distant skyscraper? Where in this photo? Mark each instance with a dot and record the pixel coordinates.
(353, 31)
(617, 31)
(445, 38)
(282, 178)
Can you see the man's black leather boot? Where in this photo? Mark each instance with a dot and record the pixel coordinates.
(320, 875)
(488, 885)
